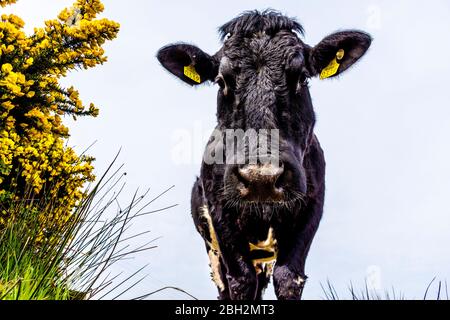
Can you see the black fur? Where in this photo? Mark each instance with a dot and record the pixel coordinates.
(262, 70)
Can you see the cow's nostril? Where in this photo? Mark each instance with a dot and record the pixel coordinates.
(256, 174)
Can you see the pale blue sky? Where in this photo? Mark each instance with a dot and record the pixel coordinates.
(384, 126)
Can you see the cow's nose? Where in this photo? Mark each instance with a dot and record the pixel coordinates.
(261, 174)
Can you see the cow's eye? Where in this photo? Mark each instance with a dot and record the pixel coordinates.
(303, 79)
(220, 80)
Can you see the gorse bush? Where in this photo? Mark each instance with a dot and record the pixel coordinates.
(35, 161)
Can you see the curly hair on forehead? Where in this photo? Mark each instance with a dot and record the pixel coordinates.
(251, 22)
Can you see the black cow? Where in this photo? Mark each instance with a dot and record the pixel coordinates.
(258, 217)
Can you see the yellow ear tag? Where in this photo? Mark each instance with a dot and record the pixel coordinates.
(333, 67)
(191, 73)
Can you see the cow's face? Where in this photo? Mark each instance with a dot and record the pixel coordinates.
(262, 72)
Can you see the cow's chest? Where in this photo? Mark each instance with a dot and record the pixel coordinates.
(264, 253)
(258, 228)
(262, 247)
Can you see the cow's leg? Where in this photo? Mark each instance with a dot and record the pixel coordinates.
(263, 281)
(242, 279)
(218, 272)
(225, 293)
(240, 272)
(289, 282)
(203, 223)
(289, 273)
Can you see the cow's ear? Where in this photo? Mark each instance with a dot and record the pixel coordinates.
(337, 52)
(188, 63)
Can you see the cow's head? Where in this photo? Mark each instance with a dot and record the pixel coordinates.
(262, 72)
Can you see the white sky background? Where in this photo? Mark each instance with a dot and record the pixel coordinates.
(384, 126)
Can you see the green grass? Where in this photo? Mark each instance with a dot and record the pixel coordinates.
(29, 266)
(39, 262)
(434, 291)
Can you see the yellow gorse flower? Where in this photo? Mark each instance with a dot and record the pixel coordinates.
(34, 156)
(6, 2)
